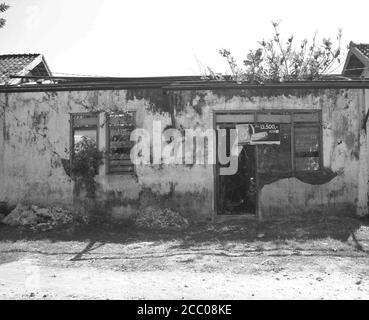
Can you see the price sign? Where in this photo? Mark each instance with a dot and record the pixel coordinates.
(260, 133)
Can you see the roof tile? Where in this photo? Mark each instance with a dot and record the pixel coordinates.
(11, 64)
(363, 48)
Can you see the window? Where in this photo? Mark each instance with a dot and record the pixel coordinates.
(300, 148)
(307, 141)
(120, 126)
(83, 126)
(307, 147)
(277, 157)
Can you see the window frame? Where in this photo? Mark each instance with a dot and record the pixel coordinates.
(107, 158)
(73, 128)
(320, 149)
(292, 122)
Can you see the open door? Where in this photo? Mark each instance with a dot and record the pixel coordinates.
(237, 194)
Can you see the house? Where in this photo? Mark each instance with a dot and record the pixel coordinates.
(357, 61)
(301, 147)
(22, 65)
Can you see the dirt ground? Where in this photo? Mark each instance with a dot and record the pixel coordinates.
(315, 258)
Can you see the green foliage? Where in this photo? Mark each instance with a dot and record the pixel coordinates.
(3, 7)
(277, 60)
(85, 165)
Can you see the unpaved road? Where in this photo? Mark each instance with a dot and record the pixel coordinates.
(223, 265)
(19, 280)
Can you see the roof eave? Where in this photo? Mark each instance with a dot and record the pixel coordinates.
(187, 85)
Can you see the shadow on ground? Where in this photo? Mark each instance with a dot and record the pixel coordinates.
(312, 227)
(315, 235)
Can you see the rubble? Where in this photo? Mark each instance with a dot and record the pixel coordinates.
(37, 218)
(5, 209)
(160, 219)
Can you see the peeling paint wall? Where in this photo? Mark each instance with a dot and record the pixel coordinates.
(35, 138)
(342, 115)
(363, 176)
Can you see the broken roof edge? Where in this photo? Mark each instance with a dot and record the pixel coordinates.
(166, 85)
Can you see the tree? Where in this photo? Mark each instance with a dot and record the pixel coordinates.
(85, 165)
(3, 8)
(277, 61)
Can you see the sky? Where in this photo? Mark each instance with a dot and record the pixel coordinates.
(165, 38)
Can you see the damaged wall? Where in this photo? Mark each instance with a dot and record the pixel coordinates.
(363, 176)
(343, 111)
(34, 143)
(36, 139)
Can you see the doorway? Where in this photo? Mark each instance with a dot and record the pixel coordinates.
(237, 194)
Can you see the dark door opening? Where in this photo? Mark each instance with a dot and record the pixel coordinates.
(237, 194)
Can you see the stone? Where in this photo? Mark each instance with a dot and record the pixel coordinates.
(37, 218)
(43, 211)
(16, 216)
(160, 219)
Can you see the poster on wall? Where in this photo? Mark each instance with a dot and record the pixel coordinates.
(259, 133)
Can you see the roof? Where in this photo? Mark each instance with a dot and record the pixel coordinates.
(166, 84)
(357, 61)
(363, 48)
(22, 65)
